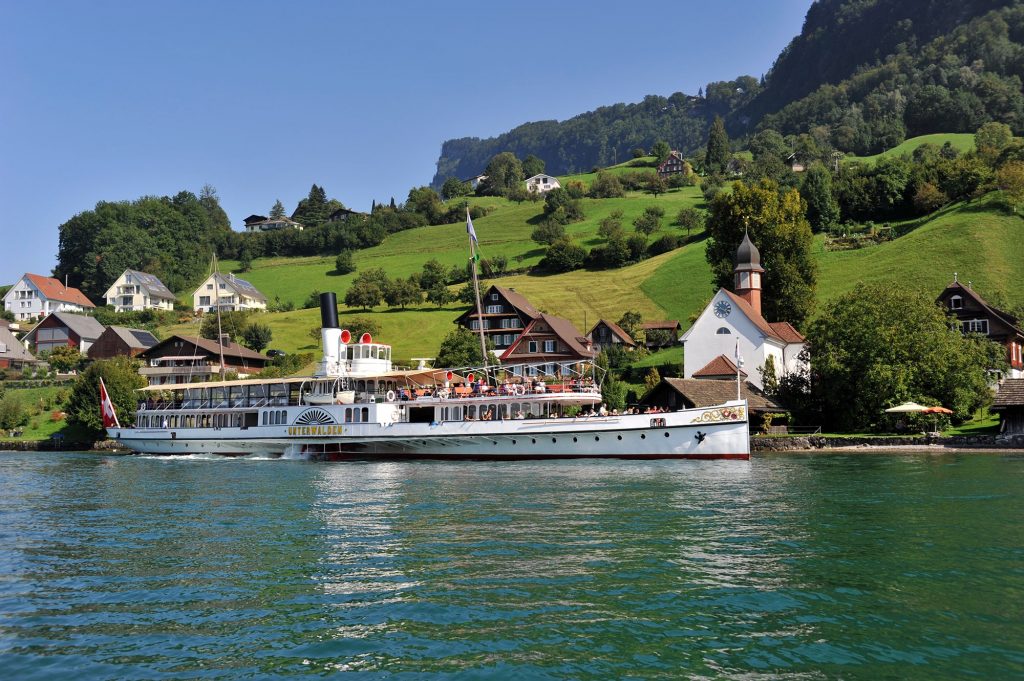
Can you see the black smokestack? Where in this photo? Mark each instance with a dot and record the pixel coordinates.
(328, 310)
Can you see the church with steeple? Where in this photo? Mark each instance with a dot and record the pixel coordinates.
(732, 325)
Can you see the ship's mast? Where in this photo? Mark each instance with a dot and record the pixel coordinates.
(476, 287)
(220, 334)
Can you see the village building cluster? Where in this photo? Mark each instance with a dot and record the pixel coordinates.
(729, 350)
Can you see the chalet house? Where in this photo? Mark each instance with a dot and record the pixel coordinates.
(252, 220)
(343, 215)
(549, 340)
(35, 296)
(272, 224)
(672, 329)
(542, 183)
(475, 181)
(974, 315)
(189, 359)
(675, 164)
(230, 292)
(506, 314)
(604, 334)
(64, 329)
(136, 290)
(732, 325)
(1009, 404)
(118, 341)
(13, 354)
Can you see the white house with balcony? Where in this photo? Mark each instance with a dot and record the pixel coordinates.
(542, 183)
(230, 292)
(272, 224)
(136, 290)
(35, 296)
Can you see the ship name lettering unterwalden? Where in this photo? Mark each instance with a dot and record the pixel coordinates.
(315, 430)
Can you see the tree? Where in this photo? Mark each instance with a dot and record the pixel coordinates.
(532, 166)
(661, 150)
(991, 139)
(257, 336)
(561, 207)
(563, 255)
(548, 232)
(647, 223)
(613, 392)
(656, 184)
(690, 219)
(364, 294)
(401, 292)
(610, 226)
(232, 322)
(277, 211)
(64, 359)
(121, 377)
(504, 172)
(426, 202)
(357, 326)
(439, 295)
(652, 379)
(630, 322)
(461, 348)
(12, 413)
(778, 226)
(816, 190)
(453, 188)
(1010, 178)
(929, 198)
(312, 211)
(344, 263)
(718, 152)
(606, 186)
(433, 273)
(879, 346)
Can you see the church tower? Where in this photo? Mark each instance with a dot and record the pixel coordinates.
(747, 273)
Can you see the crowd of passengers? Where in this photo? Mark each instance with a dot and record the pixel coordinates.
(481, 388)
(489, 414)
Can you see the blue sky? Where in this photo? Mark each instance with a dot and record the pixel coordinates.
(112, 100)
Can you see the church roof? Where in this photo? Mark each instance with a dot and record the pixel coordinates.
(718, 367)
(780, 331)
(747, 254)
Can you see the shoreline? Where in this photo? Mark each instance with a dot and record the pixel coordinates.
(758, 444)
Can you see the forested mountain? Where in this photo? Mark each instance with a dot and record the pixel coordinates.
(866, 73)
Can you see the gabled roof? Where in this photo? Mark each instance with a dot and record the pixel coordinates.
(1011, 394)
(134, 338)
(719, 367)
(563, 328)
(253, 219)
(270, 221)
(53, 289)
(342, 211)
(518, 301)
(704, 392)
(762, 324)
(787, 332)
(211, 346)
(152, 284)
(86, 328)
(11, 348)
(240, 286)
(617, 330)
(668, 325)
(956, 288)
(534, 177)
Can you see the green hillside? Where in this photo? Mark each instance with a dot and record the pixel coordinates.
(960, 141)
(979, 240)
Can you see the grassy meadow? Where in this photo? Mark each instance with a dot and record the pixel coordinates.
(961, 141)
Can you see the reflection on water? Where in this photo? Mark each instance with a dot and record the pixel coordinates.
(826, 566)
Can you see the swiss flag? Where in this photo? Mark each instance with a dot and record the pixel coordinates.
(107, 408)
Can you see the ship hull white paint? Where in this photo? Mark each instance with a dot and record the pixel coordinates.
(682, 434)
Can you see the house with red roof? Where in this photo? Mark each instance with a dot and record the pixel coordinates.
(549, 345)
(975, 315)
(731, 328)
(606, 333)
(505, 314)
(36, 296)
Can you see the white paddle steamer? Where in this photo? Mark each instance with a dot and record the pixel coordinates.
(356, 405)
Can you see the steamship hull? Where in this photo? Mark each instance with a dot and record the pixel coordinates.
(715, 433)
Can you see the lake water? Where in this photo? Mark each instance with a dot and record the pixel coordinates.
(829, 566)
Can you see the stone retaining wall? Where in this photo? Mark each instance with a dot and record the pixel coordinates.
(815, 442)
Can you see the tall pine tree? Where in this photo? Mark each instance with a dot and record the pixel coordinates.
(718, 152)
(278, 210)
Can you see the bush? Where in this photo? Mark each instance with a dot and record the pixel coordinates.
(344, 263)
(548, 232)
(563, 256)
(666, 243)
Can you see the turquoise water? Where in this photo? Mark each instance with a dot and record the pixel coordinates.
(854, 567)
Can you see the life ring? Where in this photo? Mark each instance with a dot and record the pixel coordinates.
(443, 393)
(390, 396)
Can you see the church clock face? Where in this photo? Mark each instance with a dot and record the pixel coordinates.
(722, 309)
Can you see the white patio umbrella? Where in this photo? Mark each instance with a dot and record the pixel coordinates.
(905, 408)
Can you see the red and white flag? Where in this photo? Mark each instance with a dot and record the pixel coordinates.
(107, 408)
